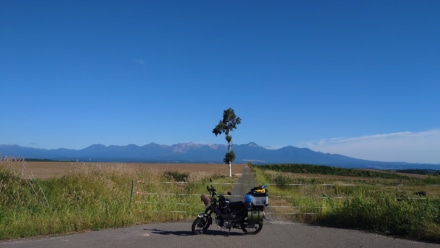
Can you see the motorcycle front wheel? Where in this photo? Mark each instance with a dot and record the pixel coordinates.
(252, 229)
(200, 225)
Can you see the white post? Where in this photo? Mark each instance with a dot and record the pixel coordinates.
(230, 169)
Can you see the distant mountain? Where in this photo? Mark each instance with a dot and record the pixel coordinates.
(202, 153)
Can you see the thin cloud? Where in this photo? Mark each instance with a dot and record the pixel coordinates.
(414, 147)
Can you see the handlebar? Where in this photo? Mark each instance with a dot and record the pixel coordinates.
(210, 188)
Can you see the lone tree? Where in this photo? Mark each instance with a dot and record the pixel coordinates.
(229, 123)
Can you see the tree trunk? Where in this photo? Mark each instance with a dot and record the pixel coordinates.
(230, 162)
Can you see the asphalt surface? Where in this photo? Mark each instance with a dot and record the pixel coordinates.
(275, 233)
(178, 234)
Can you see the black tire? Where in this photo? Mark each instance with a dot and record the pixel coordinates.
(252, 229)
(200, 225)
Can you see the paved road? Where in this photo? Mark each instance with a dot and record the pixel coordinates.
(167, 235)
(276, 233)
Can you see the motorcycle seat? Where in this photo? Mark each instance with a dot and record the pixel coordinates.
(236, 205)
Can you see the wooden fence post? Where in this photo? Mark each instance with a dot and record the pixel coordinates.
(132, 188)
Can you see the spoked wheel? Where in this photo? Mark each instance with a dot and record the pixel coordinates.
(252, 229)
(200, 225)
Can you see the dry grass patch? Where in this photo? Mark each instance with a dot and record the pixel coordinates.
(45, 170)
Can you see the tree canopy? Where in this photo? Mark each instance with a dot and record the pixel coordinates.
(226, 125)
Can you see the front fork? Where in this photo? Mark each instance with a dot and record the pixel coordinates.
(206, 215)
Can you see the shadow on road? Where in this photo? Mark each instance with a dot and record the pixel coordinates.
(189, 233)
(164, 232)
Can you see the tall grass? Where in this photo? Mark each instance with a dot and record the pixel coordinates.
(93, 197)
(381, 213)
(380, 205)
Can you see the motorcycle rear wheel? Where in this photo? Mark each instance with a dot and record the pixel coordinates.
(200, 225)
(252, 229)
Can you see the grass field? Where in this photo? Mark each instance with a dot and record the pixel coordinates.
(395, 204)
(47, 198)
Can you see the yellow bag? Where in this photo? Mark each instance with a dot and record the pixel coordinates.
(262, 191)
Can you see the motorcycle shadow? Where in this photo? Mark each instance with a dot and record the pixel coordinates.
(189, 233)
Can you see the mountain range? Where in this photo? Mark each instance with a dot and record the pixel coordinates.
(202, 153)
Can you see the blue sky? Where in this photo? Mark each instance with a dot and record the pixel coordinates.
(358, 78)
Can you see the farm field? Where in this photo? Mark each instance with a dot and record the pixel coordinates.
(45, 170)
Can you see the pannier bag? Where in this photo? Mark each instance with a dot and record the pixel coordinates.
(255, 217)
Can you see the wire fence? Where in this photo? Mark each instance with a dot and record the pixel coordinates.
(140, 196)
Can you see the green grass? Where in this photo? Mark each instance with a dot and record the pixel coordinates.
(93, 198)
(380, 204)
(328, 170)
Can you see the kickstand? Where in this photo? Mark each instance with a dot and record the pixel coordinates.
(229, 231)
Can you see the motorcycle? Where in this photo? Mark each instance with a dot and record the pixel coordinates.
(246, 215)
